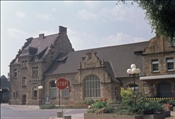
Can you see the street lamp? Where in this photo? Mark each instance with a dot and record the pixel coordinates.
(40, 94)
(133, 72)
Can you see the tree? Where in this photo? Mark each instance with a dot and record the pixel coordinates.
(161, 15)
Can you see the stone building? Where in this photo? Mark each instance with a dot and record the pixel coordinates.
(91, 74)
(159, 68)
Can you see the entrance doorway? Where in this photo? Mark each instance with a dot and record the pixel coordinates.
(24, 99)
(164, 89)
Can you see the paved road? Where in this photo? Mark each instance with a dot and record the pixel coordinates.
(33, 112)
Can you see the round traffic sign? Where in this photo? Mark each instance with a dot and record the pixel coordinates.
(61, 83)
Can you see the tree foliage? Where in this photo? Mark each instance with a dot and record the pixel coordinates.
(161, 15)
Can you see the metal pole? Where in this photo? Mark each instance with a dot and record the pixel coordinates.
(59, 97)
(134, 91)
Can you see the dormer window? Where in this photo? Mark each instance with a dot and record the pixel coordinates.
(36, 58)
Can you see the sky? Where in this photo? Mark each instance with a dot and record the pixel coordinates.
(90, 24)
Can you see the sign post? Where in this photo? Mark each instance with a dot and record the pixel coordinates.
(61, 84)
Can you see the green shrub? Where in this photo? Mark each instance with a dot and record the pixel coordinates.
(88, 102)
(136, 103)
(171, 102)
(92, 110)
(99, 104)
(108, 109)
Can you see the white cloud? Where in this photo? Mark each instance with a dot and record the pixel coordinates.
(53, 9)
(16, 33)
(45, 16)
(90, 4)
(120, 38)
(20, 14)
(81, 41)
(86, 15)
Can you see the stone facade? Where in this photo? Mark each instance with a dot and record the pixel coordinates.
(91, 74)
(159, 49)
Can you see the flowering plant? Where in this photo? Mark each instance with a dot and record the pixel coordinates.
(168, 105)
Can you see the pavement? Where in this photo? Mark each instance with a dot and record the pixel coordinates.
(73, 116)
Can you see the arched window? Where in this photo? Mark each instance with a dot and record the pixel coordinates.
(91, 86)
(52, 90)
(35, 92)
(66, 91)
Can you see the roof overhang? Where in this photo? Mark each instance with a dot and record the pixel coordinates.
(157, 77)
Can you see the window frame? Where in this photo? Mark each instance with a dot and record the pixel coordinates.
(35, 71)
(24, 63)
(155, 63)
(170, 61)
(24, 82)
(91, 86)
(15, 73)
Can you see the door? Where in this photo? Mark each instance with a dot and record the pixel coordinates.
(164, 89)
(24, 99)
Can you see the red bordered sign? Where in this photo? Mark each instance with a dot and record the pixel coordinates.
(61, 83)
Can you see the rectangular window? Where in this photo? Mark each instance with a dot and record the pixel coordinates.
(24, 63)
(15, 73)
(35, 71)
(170, 64)
(24, 82)
(15, 94)
(155, 65)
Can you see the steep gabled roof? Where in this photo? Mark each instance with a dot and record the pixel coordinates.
(120, 58)
(38, 45)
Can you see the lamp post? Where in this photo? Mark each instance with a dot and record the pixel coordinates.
(40, 94)
(133, 72)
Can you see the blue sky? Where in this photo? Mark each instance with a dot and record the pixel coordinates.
(90, 24)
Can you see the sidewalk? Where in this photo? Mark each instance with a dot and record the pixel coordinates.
(81, 116)
(25, 107)
(73, 116)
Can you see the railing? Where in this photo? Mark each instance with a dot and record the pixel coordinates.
(161, 98)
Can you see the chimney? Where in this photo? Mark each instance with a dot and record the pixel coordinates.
(62, 29)
(41, 36)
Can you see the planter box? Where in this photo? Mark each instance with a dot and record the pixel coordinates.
(109, 116)
(154, 116)
(115, 116)
(167, 114)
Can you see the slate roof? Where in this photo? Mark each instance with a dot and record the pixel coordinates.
(38, 45)
(119, 58)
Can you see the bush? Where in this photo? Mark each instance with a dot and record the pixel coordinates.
(171, 102)
(108, 109)
(99, 104)
(136, 103)
(88, 102)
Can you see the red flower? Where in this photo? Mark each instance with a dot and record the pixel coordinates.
(105, 99)
(168, 105)
(101, 99)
